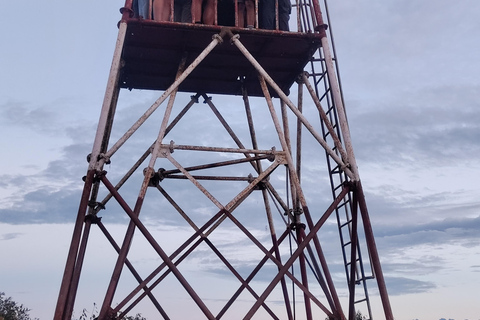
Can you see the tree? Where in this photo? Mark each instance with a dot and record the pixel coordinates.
(84, 316)
(11, 310)
(138, 316)
(94, 314)
(360, 316)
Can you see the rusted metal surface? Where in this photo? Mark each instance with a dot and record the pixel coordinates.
(144, 230)
(294, 256)
(353, 259)
(78, 268)
(323, 116)
(338, 101)
(250, 277)
(285, 98)
(303, 271)
(214, 59)
(152, 46)
(273, 235)
(167, 173)
(132, 270)
(382, 287)
(173, 87)
(153, 49)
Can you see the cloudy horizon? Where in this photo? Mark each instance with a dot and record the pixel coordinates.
(410, 77)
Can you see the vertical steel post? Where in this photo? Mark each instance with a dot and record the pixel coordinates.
(131, 227)
(353, 258)
(303, 270)
(341, 153)
(377, 267)
(78, 269)
(105, 117)
(73, 251)
(267, 203)
(353, 167)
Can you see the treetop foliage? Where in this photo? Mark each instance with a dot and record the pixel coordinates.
(11, 310)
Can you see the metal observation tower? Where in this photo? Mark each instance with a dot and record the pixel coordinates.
(238, 184)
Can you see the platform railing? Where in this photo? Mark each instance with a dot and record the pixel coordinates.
(280, 15)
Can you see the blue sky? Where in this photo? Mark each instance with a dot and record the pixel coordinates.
(410, 74)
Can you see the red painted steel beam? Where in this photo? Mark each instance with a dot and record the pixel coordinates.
(135, 220)
(353, 258)
(303, 270)
(132, 270)
(65, 287)
(372, 247)
(78, 269)
(250, 277)
(297, 252)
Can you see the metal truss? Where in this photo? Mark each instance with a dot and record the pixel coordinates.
(289, 275)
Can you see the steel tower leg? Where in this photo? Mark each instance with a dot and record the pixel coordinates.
(305, 265)
(73, 266)
(356, 178)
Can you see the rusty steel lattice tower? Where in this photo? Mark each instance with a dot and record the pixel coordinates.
(240, 177)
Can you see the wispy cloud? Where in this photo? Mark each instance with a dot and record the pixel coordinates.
(402, 286)
(9, 236)
(410, 76)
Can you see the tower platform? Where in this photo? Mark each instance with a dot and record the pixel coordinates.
(228, 229)
(153, 50)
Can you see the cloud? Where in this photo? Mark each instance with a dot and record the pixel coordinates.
(49, 195)
(42, 206)
(475, 268)
(402, 286)
(420, 130)
(412, 97)
(9, 236)
(20, 115)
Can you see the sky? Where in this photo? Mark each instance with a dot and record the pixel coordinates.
(410, 77)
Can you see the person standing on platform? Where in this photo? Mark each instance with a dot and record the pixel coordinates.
(141, 8)
(246, 13)
(185, 10)
(267, 14)
(162, 10)
(205, 16)
(182, 11)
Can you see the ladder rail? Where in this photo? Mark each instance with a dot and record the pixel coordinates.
(337, 176)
